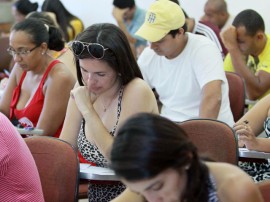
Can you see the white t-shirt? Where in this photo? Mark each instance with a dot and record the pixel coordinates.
(179, 81)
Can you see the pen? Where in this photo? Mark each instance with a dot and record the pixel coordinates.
(6, 72)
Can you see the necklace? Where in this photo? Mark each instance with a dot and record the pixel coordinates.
(108, 106)
(105, 108)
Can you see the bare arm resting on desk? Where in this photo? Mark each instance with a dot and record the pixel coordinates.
(254, 119)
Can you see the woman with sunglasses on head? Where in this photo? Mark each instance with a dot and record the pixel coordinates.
(38, 88)
(155, 159)
(109, 90)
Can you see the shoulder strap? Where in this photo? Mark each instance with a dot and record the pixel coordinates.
(51, 65)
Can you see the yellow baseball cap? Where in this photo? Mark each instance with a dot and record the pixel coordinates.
(162, 17)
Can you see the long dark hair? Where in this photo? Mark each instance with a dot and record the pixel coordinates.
(118, 56)
(63, 16)
(148, 144)
(25, 6)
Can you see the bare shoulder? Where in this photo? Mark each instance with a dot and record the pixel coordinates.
(139, 97)
(233, 184)
(139, 91)
(61, 74)
(137, 85)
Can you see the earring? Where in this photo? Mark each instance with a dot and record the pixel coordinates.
(186, 167)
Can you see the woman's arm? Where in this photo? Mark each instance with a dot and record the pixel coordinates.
(137, 97)
(257, 115)
(251, 125)
(72, 123)
(233, 184)
(58, 86)
(8, 91)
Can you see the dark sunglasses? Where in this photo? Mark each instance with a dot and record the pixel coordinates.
(96, 50)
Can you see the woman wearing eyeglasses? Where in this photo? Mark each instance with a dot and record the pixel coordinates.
(156, 160)
(109, 90)
(65, 55)
(38, 88)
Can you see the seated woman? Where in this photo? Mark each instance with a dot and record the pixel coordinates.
(109, 90)
(71, 25)
(19, 178)
(21, 8)
(155, 159)
(65, 55)
(251, 125)
(38, 88)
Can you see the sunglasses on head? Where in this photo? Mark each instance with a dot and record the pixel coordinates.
(96, 50)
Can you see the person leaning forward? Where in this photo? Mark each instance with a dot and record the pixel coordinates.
(185, 69)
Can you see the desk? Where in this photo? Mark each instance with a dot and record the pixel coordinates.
(96, 173)
(245, 153)
(35, 131)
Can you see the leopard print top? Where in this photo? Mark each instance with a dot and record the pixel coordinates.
(90, 151)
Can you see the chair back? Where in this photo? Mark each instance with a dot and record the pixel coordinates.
(264, 187)
(213, 139)
(236, 94)
(5, 58)
(58, 168)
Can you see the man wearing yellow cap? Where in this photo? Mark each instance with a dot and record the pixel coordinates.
(185, 69)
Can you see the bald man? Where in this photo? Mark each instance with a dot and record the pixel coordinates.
(216, 12)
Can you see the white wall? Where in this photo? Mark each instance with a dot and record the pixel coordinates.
(95, 11)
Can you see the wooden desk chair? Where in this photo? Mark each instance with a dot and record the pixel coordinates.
(236, 94)
(83, 189)
(264, 187)
(213, 138)
(58, 168)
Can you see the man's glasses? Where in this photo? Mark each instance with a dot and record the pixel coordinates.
(96, 50)
(21, 53)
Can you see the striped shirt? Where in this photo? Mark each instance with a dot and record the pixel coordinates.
(19, 178)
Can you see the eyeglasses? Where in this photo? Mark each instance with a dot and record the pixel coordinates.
(21, 53)
(96, 50)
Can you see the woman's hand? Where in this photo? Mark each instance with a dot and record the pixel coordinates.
(83, 98)
(245, 135)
